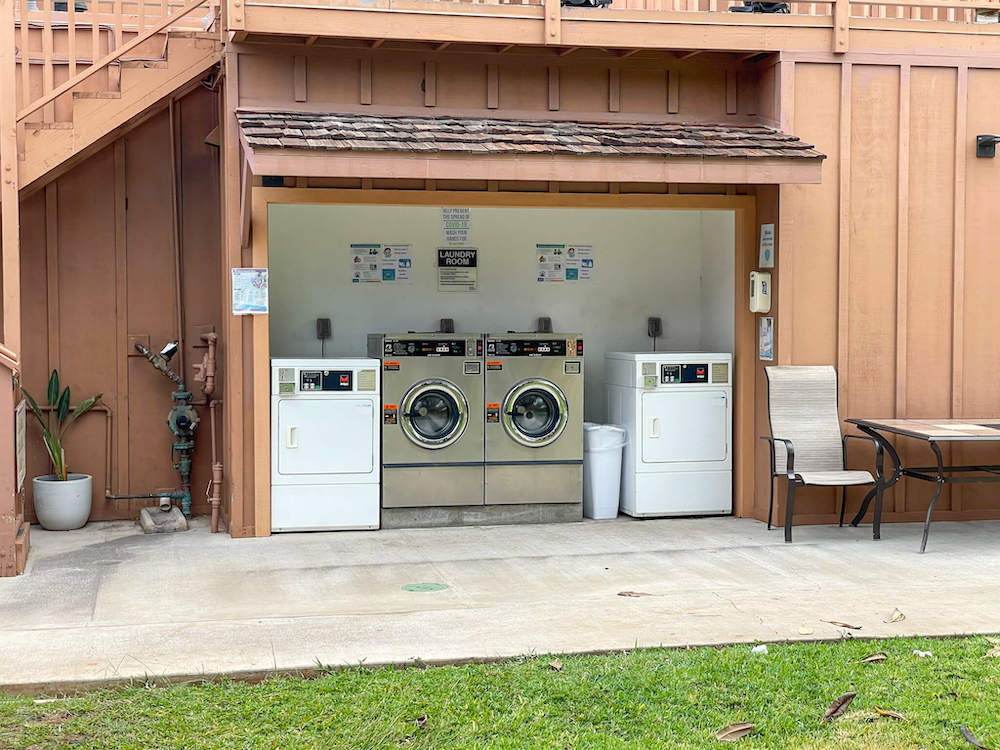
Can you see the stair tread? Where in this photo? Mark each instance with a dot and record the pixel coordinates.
(48, 125)
(97, 95)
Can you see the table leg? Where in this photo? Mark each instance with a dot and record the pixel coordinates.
(938, 486)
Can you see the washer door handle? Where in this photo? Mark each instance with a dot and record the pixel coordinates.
(292, 438)
(654, 428)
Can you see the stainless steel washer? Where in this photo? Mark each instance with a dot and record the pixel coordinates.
(432, 418)
(534, 418)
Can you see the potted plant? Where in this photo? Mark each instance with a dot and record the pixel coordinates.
(62, 499)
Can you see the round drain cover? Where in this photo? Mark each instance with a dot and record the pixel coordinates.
(424, 587)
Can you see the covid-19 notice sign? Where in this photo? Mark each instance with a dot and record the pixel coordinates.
(458, 269)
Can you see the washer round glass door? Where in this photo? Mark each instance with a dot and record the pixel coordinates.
(434, 413)
(535, 413)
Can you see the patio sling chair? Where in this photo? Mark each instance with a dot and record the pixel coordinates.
(805, 439)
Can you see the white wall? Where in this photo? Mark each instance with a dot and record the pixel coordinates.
(675, 264)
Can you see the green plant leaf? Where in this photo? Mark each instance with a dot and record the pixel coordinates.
(82, 408)
(56, 455)
(33, 405)
(62, 409)
(53, 387)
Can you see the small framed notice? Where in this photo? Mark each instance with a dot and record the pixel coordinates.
(250, 291)
(766, 339)
(766, 246)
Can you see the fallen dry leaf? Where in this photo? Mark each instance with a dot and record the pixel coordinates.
(994, 652)
(805, 630)
(734, 732)
(556, 665)
(421, 721)
(971, 738)
(839, 706)
(840, 624)
(634, 593)
(896, 616)
(995, 641)
(891, 714)
(876, 658)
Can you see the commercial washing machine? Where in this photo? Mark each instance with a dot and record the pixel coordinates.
(534, 418)
(324, 444)
(678, 411)
(432, 418)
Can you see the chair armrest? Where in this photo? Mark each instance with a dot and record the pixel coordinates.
(789, 454)
(866, 438)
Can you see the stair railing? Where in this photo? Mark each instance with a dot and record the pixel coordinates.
(136, 21)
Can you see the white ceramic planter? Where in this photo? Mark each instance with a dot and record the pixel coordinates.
(61, 506)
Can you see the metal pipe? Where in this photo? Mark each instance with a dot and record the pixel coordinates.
(216, 487)
(176, 239)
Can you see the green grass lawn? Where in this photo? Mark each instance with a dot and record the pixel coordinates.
(643, 699)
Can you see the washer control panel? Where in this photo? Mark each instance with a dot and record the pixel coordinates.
(456, 347)
(540, 347)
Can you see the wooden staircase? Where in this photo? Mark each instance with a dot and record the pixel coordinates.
(139, 55)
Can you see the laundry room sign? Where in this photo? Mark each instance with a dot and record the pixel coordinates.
(458, 269)
(375, 263)
(564, 262)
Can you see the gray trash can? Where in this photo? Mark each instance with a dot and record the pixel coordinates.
(602, 469)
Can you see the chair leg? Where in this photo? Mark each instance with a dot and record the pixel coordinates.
(789, 509)
(843, 503)
(770, 507)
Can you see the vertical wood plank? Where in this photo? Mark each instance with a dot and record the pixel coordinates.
(71, 35)
(844, 236)
(492, 86)
(553, 88)
(673, 91)
(958, 270)
(52, 272)
(731, 92)
(300, 78)
(232, 344)
(430, 84)
(25, 54)
(95, 32)
(49, 110)
(614, 90)
(121, 480)
(261, 386)
(118, 22)
(784, 92)
(366, 81)
(841, 24)
(898, 497)
(553, 22)
(958, 276)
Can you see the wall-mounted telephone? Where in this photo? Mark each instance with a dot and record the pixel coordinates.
(760, 291)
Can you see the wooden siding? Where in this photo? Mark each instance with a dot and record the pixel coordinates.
(98, 269)
(887, 269)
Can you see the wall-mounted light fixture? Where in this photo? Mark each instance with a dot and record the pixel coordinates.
(986, 146)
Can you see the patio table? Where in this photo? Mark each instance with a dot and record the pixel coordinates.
(933, 432)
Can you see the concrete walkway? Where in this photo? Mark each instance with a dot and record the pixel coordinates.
(108, 603)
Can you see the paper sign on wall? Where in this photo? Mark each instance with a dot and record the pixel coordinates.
(366, 263)
(456, 225)
(766, 341)
(766, 246)
(249, 291)
(564, 262)
(457, 269)
(397, 264)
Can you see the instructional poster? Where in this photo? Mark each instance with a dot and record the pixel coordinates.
(397, 264)
(564, 262)
(366, 263)
(458, 269)
(766, 246)
(456, 225)
(249, 291)
(766, 342)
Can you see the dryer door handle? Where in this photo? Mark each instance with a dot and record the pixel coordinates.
(654, 428)
(292, 437)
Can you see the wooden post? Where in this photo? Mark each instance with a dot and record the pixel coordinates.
(10, 512)
(553, 22)
(841, 25)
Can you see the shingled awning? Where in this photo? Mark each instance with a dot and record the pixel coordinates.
(369, 145)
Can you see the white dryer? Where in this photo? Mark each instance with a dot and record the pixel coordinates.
(325, 457)
(678, 410)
